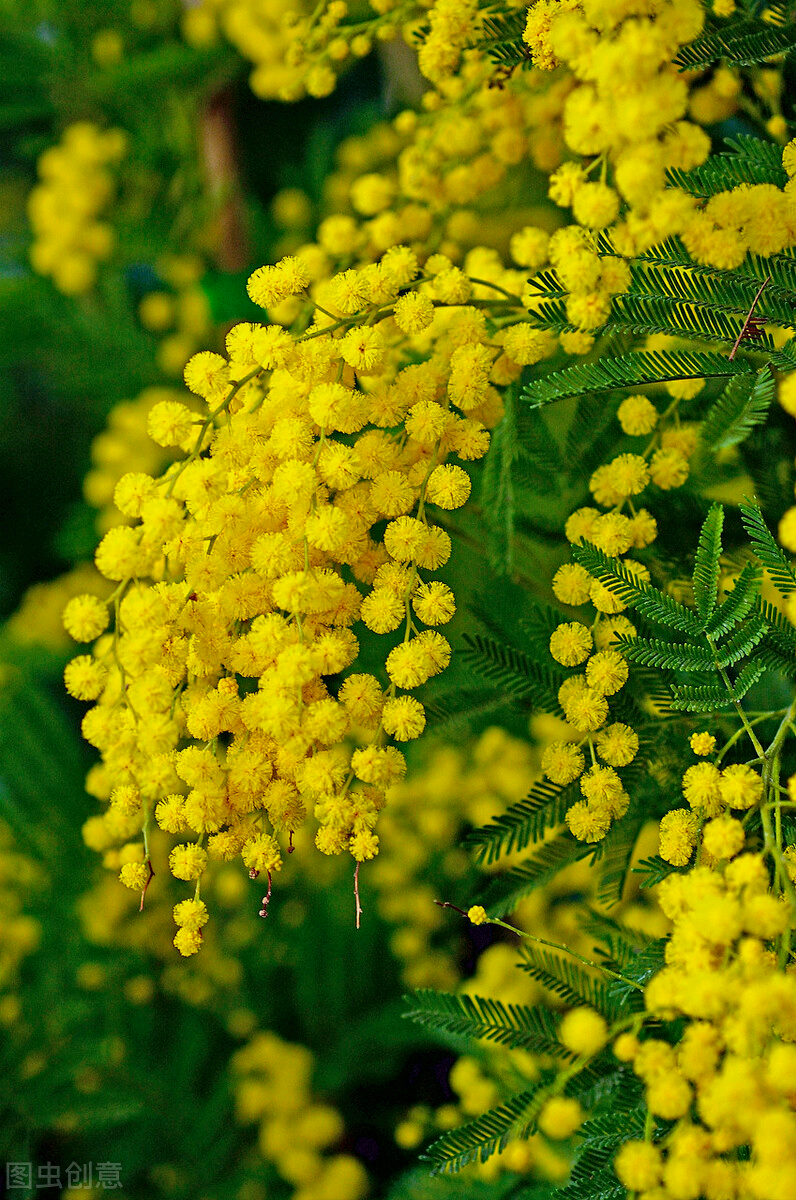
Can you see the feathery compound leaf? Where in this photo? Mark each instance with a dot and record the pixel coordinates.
(504, 893)
(743, 404)
(712, 697)
(744, 43)
(565, 978)
(767, 550)
(748, 677)
(738, 603)
(523, 823)
(641, 596)
(749, 160)
(514, 1025)
(513, 671)
(753, 630)
(479, 1139)
(672, 656)
(706, 564)
(631, 370)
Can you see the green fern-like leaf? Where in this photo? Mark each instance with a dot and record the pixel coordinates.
(565, 978)
(743, 404)
(480, 1139)
(522, 823)
(513, 671)
(750, 634)
(648, 315)
(710, 697)
(748, 160)
(652, 871)
(635, 369)
(614, 866)
(516, 1026)
(457, 709)
(706, 564)
(637, 594)
(765, 547)
(504, 893)
(738, 604)
(672, 656)
(743, 42)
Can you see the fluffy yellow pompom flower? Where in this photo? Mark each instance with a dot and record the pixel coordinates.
(560, 1117)
(583, 1031)
(701, 788)
(607, 672)
(525, 345)
(269, 286)
(434, 603)
(624, 476)
(413, 312)
(187, 861)
(723, 837)
(134, 876)
(588, 823)
(668, 469)
(404, 718)
(382, 610)
(562, 762)
(637, 415)
(740, 786)
(477, 915)
(363, 348)
(583, 707)
(702, 743)
(677, 836)
(262, 854)
(448, 486)
(170, 422)
(85, 618)
(206, 374)
(571, 584)
(617, 744)
(85, 677)
(188, 941)
(638, 1165)
(191, 914)
(528, 247)
(571, 643)
(595, 205)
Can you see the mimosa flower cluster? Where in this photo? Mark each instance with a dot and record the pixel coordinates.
(723, 1089)
(272, 1081)
(77, 185)
(309, 481)
(618, 527)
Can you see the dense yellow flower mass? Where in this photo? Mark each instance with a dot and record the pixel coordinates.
(251, 559)
(65, 208)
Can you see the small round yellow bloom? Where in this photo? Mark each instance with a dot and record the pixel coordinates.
(85, 618)
(187, 861)
(448, 486)
(560, 1117)
(668, 469)
(617, 744)
(434, 603)
(562, 762)
(413, 312)
(638, 1165)
(404, 718)
(571, 584)
(191, 914)
(583, 1031)
(84, 677)
(702, 743)
(477, 915)
(134, 876)
(587, 822)
(723, 837)
(188, 941)
(571, 643)
(637, 415)
(607, 672)
(740, 786)
(678, 833)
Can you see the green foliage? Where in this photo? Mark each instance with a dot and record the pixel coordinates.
(513, 1025)
(767, 550)
(747, 160)
(706, 565)
(513, 671)
(743, 404)
(504, 893)
(480, 1139)
(635, 369)
(522, 823)
(566, 979)
(741, 40)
